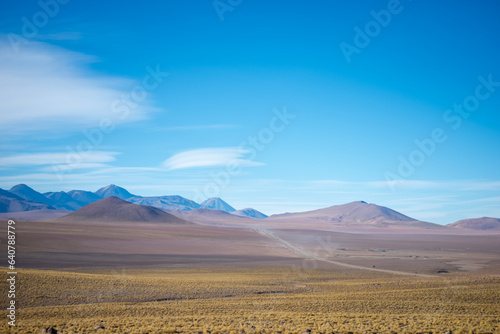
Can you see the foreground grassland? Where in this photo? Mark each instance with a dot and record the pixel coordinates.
(267, 300)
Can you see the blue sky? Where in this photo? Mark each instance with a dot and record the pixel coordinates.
(272, 105)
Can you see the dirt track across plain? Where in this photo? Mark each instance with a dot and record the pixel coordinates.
(307, 254)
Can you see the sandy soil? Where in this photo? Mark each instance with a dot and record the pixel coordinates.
(410, 252)
(79, 246)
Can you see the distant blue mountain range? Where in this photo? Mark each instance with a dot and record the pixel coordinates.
(24, 198)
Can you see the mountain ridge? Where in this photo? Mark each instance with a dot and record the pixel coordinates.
(354, 214)
(359, 214)
(83, 196)
(478, 224)
(169, 202)
(29, 194)
(10, 202)
(64, 200)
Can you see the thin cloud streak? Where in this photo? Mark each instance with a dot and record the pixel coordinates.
(58, 158)
(69, 167)
(210, 157)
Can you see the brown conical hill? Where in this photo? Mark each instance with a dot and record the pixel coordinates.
(357, 213)
(116, 210)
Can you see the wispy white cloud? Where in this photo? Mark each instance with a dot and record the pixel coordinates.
(44, 87)
(210, 157)
(59, 158)
(116, 170)
(72, 166)
(35, 178)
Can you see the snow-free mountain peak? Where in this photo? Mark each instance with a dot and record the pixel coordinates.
(174, 202)
(30, 194)
(114, 190)
(63, 200)
(359, 213)
(10, 202)
(216, 203)
(85, 197)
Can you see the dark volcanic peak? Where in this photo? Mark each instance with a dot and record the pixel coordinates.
(114, 190)
(58, 196)
(479, 224)
(8, 194)
(216, 203)
(29, 194)
(10, 202)
(85, 197)
(117, 210)
(63, 200)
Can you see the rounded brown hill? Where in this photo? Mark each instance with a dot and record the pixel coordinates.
(358, 213)
(480, 224)
(117, 210)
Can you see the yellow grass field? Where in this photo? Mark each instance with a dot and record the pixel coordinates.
(265, 300)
